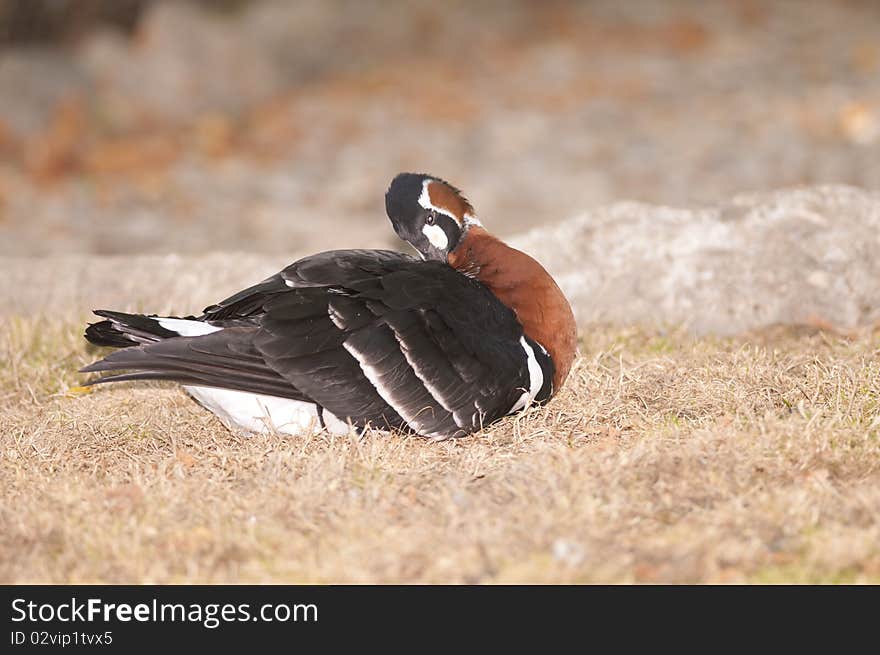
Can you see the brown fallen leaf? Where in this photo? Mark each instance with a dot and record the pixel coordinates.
(132, 155)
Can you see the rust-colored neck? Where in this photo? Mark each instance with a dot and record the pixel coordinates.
(522, 284)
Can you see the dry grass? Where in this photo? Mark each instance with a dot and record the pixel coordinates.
(665, 459)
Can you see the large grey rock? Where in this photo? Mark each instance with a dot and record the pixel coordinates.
(793, 256)
(789, 257)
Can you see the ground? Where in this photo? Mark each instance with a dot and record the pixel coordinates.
(666, 458)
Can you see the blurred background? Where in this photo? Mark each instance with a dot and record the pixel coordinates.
(140, 126)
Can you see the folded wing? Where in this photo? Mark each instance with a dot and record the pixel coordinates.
(373, 336)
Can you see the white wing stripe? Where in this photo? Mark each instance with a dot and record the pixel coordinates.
(435, 393)
(386, 393)
(336, 317)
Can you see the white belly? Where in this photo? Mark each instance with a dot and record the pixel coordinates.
(250, 412)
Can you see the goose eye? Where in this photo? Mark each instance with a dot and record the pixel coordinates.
(429, 219)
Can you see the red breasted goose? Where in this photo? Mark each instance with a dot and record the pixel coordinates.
(472, 331)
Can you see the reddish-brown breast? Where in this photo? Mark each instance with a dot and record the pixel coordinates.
(522, 284)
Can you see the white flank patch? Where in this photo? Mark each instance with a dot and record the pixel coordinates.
(425, 201)
(253, 412)
(335, 425)
(386, 393)
(187, 328)
(436, 236)
(536, 378)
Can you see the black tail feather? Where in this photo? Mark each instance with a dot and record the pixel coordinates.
(224, 359)
(105, 333)
(122, 330)
(250, 386)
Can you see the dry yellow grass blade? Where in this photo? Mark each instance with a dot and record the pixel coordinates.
(665, 459)
(80, 391)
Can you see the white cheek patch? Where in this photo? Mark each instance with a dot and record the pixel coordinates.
(436, 236)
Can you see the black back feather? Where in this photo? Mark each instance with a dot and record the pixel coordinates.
(375, 337)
